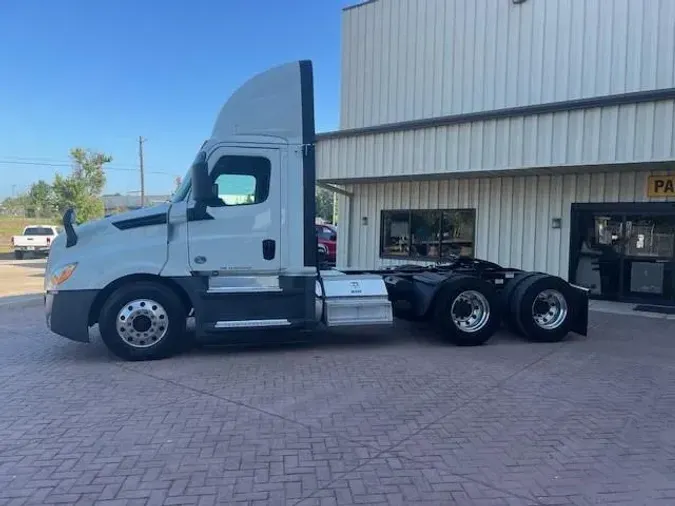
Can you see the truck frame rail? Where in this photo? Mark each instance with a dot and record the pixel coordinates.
(469, 299)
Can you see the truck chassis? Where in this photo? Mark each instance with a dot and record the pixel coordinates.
(469, 299)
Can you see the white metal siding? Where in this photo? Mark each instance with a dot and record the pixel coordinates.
(413, 59)
(513, 214)
(619, 134)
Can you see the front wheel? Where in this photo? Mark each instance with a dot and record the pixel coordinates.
(143, 321)
(466, 311)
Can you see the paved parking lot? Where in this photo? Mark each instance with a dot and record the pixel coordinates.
(359, 418)
(20, 278)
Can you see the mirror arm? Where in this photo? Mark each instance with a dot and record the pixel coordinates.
(68, 220)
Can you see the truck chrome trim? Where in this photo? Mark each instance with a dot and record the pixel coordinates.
(243, 289)
(248, 284)
(470, 311)
(142, 323)
(243, 324)
(549, 309)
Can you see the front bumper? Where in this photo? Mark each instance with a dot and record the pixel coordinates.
(67, 313)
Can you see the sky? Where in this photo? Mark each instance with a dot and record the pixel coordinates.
(99, 74)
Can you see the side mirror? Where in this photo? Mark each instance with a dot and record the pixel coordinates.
(69, 220)
(202, 188)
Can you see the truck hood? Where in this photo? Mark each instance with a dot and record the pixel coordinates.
(91, 230)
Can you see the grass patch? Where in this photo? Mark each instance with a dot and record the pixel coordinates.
(10, 225)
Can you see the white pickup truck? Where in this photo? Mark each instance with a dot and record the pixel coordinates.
(36, 239)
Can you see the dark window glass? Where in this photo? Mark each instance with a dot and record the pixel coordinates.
(395, 233)
(428, 234)
(425, 233)
(458, 232)
(326, 233)
(38, 231)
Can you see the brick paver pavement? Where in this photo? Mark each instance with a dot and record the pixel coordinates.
(379, 420)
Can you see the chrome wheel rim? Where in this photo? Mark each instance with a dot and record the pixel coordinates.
(142, 323)
(549, 309)
(470, 311)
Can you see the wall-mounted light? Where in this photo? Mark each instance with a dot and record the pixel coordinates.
(556, 222)
(364, 221)
(519, 1)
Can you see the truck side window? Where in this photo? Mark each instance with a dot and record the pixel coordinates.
(242, 180)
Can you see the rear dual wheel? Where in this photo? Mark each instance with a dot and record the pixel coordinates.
(466, 311)
(538, 307)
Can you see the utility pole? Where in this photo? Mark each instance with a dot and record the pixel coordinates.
(141, 140)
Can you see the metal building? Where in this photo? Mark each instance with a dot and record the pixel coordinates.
(534, 133)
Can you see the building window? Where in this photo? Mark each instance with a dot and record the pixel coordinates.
(428, 234)
(242, 180)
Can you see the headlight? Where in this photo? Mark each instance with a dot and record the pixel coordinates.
(59, 276)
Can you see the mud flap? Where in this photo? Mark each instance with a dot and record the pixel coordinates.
(579, 310)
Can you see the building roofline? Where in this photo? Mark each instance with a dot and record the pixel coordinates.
(360, 4)
(594, 168)
(635, 97)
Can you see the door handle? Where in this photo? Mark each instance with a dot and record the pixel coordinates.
(269, 249)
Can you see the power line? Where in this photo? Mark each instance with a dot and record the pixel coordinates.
(64, 164)
(44, 160)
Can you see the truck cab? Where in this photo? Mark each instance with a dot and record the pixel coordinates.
(236, 246)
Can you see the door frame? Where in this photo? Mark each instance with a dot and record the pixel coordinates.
(246, 149)
(622, 209)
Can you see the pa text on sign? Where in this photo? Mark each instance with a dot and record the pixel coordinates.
(661, 186)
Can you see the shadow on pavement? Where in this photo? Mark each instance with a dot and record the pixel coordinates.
(280, 342)
(9, 255)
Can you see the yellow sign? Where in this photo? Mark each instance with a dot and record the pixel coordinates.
(661, 186)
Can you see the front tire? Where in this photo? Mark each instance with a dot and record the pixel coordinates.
(466, 311)
(143, 321)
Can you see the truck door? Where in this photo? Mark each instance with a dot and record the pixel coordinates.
(239, 236)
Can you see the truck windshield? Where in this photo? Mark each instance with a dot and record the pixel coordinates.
(38, 231)
(182, 190)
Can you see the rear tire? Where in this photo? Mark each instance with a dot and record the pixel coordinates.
(542, 308)
(508, 300)
(466, 311)
(18, 255)
(143, 321)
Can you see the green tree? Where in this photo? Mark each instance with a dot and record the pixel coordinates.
(82, 189)
(324, 204)
(40, 200)
(15, 206)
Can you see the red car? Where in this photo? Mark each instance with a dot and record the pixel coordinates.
(327, 235)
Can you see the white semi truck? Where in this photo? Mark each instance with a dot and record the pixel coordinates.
(236, 248)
